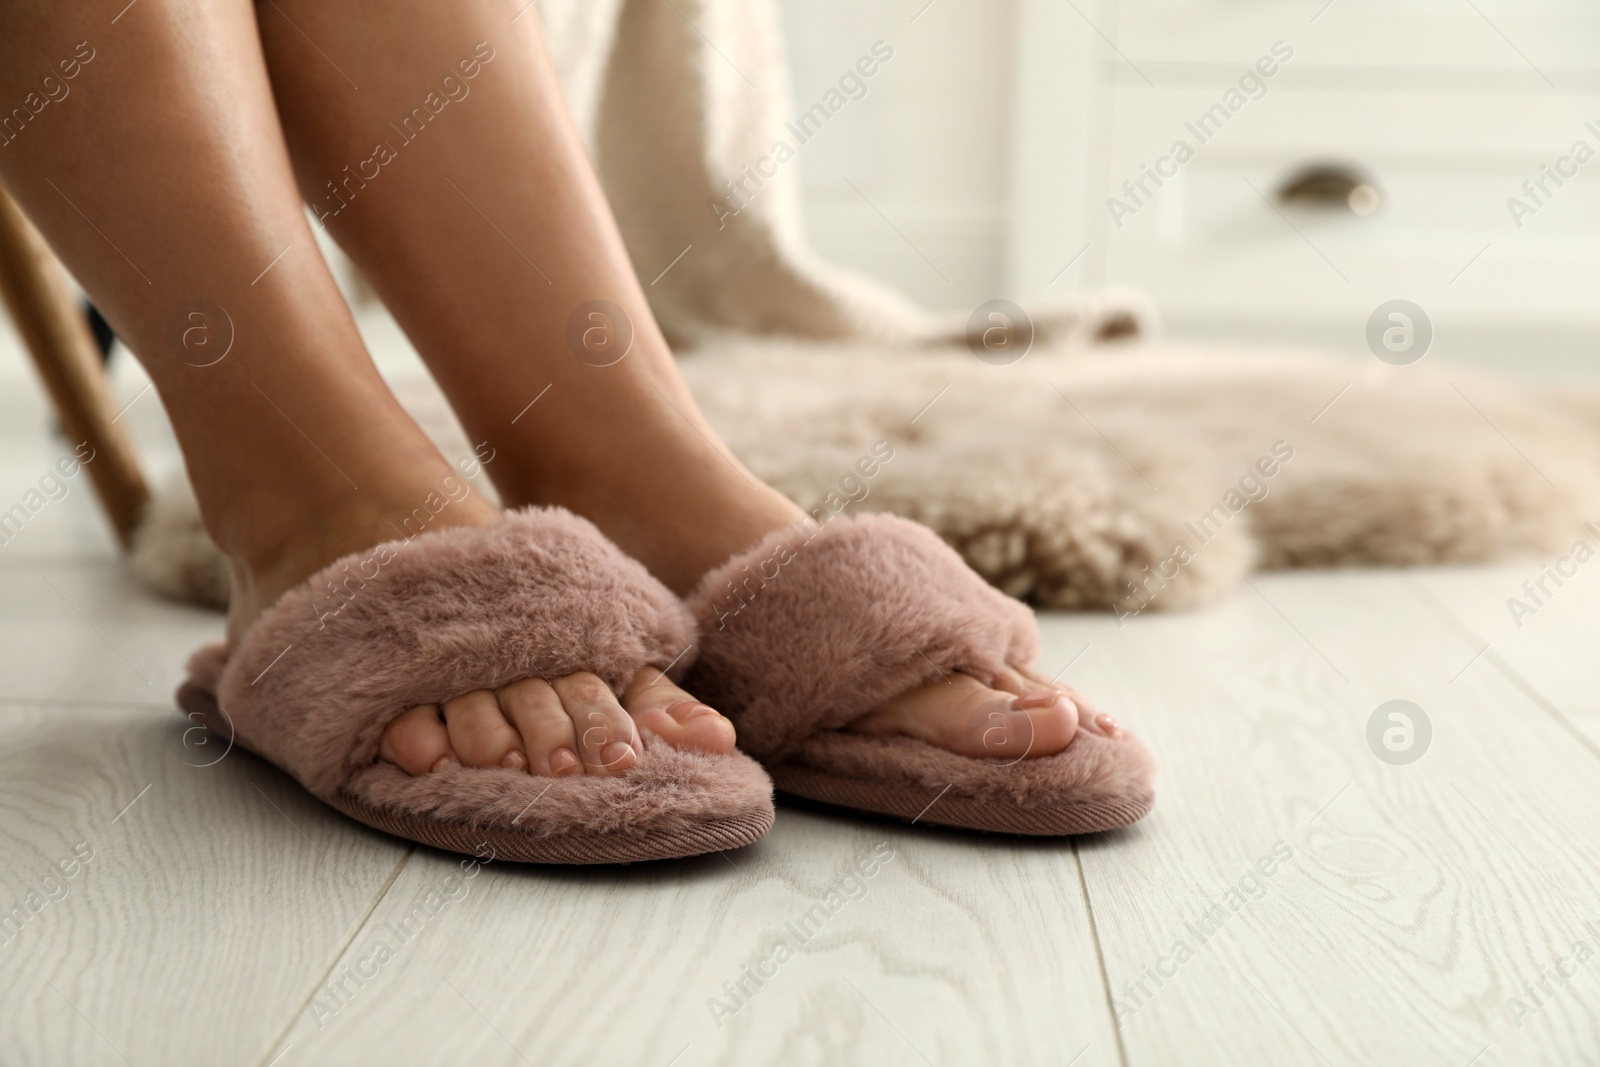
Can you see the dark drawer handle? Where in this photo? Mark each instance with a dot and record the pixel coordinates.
(1331, 185)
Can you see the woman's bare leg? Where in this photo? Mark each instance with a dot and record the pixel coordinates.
(456, 179)
(484, 229)
(161, 177)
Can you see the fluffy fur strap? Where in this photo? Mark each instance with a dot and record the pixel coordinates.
(542, 593)
(816, 626)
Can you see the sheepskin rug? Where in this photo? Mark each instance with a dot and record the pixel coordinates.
(1127, 478)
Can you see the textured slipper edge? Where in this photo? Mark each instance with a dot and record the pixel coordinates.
(719, 834)
(917, 804)
(714, 835)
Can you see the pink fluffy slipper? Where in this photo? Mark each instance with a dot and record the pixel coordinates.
(319, 676)
(810, 630)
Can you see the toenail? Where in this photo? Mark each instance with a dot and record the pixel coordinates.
(615, 753)
(514, 761)
(442, 762)
(684, 710)
(1108, 724)
(1040, 700)
(564, 761)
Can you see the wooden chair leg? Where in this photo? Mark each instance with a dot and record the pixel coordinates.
(51, 322)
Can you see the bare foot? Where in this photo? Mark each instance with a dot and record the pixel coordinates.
(1022, 715)
(558, 727)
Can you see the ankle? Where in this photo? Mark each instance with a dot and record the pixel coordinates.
(679, 516)
(273, 546)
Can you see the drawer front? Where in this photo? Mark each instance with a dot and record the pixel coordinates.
(1561, 39)
(1213, 242)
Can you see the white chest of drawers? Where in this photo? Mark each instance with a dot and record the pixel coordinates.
(1477, 123)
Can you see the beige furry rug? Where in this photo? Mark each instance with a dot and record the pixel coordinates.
(1118, 478)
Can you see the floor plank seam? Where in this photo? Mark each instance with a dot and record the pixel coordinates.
(1516, 678)
(1428, 599)
(333, 960)
(1099, 955)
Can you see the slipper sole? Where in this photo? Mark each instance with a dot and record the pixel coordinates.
(917, 804)
(712, 835)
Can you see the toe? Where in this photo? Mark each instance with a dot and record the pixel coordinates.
(674, 716)
(1051, 718)
(971, 719)
(607, 741)
(1037, 691)
(480, 734)
(417, 741)
(546, 729)
(1090, 718)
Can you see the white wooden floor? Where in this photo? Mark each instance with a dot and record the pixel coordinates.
(1294, 899)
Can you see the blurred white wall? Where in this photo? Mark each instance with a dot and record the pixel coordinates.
(927, 149)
